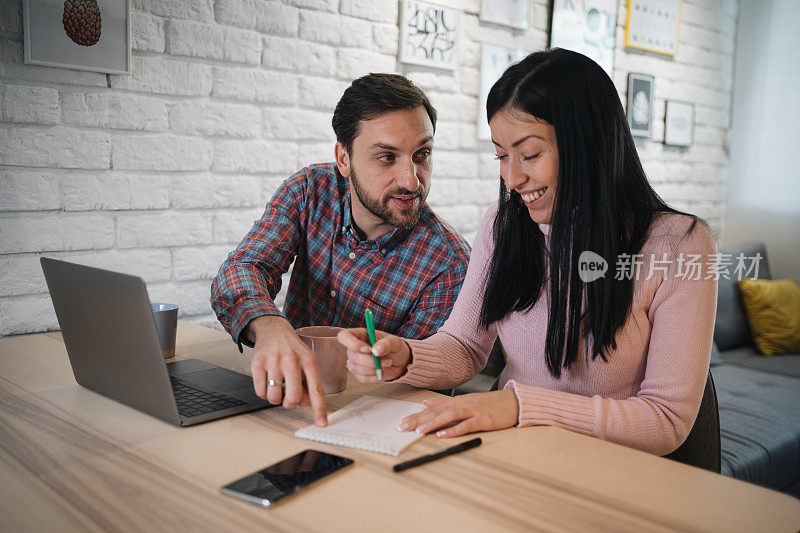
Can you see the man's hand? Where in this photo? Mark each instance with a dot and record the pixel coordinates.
(279, 355)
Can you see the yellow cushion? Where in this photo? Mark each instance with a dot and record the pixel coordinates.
(773, 311)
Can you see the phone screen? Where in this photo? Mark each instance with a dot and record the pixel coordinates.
(286, 477)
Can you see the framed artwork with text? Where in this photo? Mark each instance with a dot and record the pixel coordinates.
(429, 34)
(653, 25)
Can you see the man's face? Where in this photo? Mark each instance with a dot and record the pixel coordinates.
(390, 166)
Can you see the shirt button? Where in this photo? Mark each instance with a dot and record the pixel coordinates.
(383, 251)
(352, 255)
(333, 294)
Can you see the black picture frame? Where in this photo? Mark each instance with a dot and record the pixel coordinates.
(640, 104)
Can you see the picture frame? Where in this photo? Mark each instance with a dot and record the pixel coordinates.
(495, 59)
(654, 25)
(512, 13)
(640, 104)
(678, 123)
(56, 35)
(429, 34)
(587, 27)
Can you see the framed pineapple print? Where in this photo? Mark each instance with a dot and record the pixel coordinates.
(79, 34)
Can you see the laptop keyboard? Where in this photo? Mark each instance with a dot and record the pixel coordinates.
(194, 402)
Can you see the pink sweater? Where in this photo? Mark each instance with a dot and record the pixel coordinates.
(648, 393)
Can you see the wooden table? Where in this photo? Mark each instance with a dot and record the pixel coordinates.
(71, 459)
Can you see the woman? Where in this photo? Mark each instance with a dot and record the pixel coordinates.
(623, 357)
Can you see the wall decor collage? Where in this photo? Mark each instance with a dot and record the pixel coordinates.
(79, 35)
(430, 35)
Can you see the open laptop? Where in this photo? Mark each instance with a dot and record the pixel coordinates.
(113, 347)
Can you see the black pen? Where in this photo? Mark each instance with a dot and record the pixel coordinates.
(466, 445)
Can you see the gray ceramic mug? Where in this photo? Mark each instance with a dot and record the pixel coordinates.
(166, 316)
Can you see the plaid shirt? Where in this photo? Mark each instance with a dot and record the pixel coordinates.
(409, 278)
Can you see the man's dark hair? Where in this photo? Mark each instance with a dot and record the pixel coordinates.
(372, 95)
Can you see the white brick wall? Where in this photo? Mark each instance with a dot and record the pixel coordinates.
(105, 191)
(31, 105)
(55, 147)
(113, 111)
(162, 172)
(43, 232)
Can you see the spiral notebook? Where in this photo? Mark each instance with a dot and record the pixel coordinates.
(368, 423)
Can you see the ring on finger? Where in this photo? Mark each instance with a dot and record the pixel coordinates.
(274, 382)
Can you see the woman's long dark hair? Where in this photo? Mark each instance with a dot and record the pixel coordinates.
(603, 203)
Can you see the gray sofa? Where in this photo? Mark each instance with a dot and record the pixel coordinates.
(758, 396)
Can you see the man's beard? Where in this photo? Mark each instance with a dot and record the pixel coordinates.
(380, 208)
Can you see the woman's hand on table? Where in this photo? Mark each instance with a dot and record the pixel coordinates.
(459, 415)
(392, 351)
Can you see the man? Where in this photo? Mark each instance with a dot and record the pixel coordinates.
(381, 248)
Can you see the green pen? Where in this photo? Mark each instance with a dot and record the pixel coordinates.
(371, 332)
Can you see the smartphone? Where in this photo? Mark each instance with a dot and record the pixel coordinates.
(286, 477)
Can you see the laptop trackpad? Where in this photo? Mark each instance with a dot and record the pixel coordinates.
(220, 379)
(179, 368)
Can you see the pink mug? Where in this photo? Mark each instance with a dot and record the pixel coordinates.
(330, 354)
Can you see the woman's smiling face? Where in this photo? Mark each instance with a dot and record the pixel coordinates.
(528, 154)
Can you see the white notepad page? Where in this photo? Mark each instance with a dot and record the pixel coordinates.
(368, 423)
